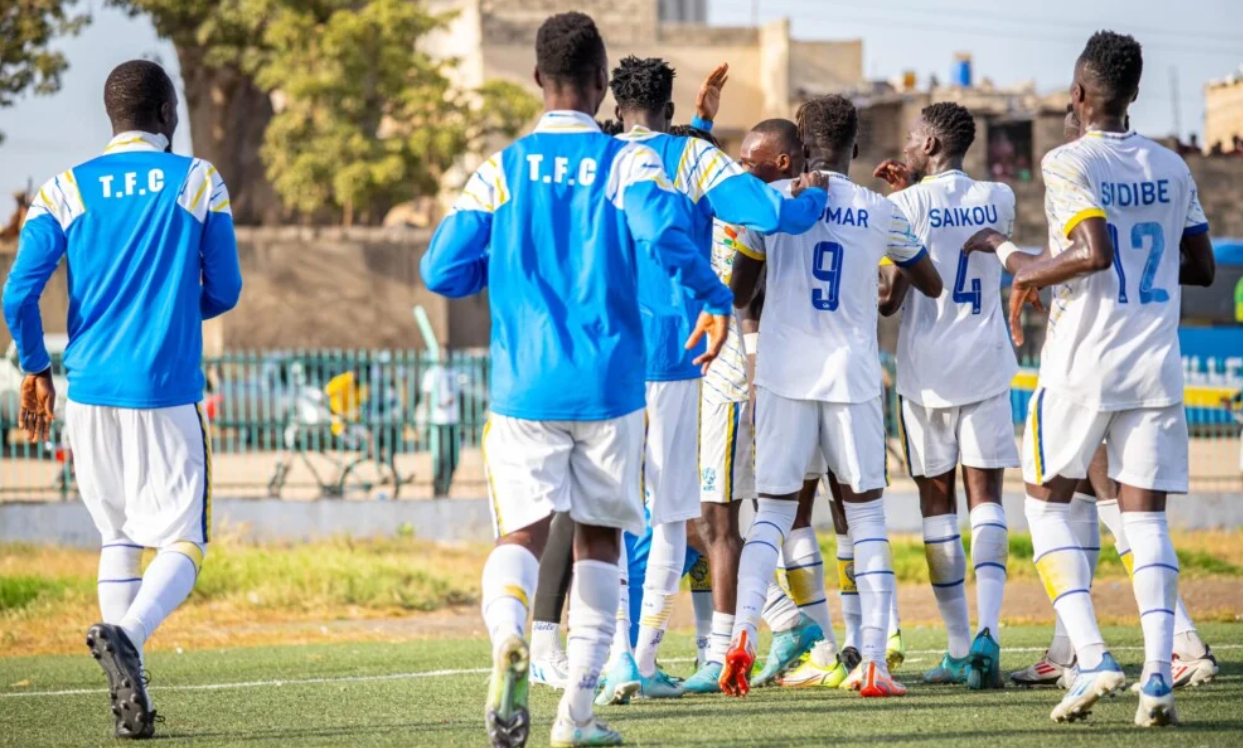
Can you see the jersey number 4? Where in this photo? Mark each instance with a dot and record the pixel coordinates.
(826, 266)
(1155, 236)
(961, 294)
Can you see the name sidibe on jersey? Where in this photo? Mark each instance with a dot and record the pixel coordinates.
(1134, 194)
(979, 215)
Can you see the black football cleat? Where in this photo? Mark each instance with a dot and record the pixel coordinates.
(116, 654)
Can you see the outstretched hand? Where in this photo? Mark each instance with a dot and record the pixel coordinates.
(895, 173)
(708, 100)
(1020, 295)
(716, 327)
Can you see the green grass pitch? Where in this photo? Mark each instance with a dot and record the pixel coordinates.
(430, 693)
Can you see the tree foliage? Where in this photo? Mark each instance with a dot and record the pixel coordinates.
(366, 118)
(27, 28)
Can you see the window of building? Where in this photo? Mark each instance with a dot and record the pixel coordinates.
(1010, 150)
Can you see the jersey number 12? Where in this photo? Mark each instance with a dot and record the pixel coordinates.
(826, 266)
(1152, 231)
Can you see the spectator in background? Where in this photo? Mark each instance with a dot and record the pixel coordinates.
(442, 397)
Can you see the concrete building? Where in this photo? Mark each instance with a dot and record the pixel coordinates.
(1223, 113)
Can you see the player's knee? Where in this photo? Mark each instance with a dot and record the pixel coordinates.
(196, 552)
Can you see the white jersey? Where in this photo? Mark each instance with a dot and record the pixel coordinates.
(1112, 341)
(955, 349)
(726, 380)
(819, 321)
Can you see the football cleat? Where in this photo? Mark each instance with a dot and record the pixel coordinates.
(737, 668)
(786, 649)
(505, 712)
(1195, 672)
(808, 674)
(1089, 687)
(660, 686)
(620, 683)
(705, 680)
(850, 658)
(1156, 704)
(877, 683)
(984, 663)
(127, 686)
(552, 671)
(854, 680)
(895, 650)
(566, 733)
(952, 670)
(1044, 672)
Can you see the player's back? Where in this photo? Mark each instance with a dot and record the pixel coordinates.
(561, 271)
(955, 349)
(135, 224)
(1113, 336)
(819, 322)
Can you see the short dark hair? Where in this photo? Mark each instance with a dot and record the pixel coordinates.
(687, 131)
(785, 131)
(642, 85)
(569, 49)
(135, 91)
(828, 123)
(953, 125)
(1115, 62)
(610, 127)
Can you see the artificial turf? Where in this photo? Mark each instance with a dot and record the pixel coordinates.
(430, 693)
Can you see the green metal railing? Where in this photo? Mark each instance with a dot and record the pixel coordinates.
(325, 423)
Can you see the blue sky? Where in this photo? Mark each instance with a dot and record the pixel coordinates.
(1010, 42)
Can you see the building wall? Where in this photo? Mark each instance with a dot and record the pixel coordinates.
(1223, 112)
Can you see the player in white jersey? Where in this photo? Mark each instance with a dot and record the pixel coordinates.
(1110, 367)
(955, 365)
(819, 383)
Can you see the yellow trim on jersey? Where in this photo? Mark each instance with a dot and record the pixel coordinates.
(221, 207)
(1080, 217)
(885, 261)
(708, 171)
(202, 188)
(679, 172)
(190, 550)
(496, 505)
(131, 141)
(744, 249)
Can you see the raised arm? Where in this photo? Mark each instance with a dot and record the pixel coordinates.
(456, 262)
(736, 197)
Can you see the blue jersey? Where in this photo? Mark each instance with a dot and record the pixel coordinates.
(715, 186)
(553, 226)
(148, 238)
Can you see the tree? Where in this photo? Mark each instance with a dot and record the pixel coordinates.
(219, 46)
(367, 119)
(27, 27)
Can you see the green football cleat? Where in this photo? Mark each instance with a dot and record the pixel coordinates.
(660, 686)
(984, 663)
(506, 713)
(810, 675)
(621, 682)
(705, 680)
(566, 733)
(786, 649)
(952, 670)
(895, 650)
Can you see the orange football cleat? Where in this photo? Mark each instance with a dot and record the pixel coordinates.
(738, 663)
(878, 683)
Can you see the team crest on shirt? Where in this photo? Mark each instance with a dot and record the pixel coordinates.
(707, 478)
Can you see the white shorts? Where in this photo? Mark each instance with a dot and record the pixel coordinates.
(671, 455)
(851, 437)
(144, 474)
(1147, 447)
(587, 468)
(979, 435)
(726, 452)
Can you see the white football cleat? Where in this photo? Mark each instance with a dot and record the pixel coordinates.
(552, 670)
(1089, 687)
(566, 733)
(1195, 672)
(1156, 704)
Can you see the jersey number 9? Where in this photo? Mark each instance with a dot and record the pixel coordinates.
(826, 266)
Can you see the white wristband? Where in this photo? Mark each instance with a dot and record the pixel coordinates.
(750, 342)
(1006, 249)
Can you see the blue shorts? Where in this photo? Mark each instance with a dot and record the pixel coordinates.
(637, 548)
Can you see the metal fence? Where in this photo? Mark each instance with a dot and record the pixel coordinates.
(305, 424)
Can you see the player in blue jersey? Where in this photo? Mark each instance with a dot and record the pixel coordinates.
(554, 227)
(147, 237)
(712, 185)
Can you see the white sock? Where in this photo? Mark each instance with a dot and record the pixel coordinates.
(1155, 580)
(621, 636)
(873, 575)
(895, 623)
(664, 571)
(804, 570)
(1060, 650)
(509, 579)
(780, 612)
(593, 600)
(120, 576)
(701, 601)
(1085, 521)
(545, 639)
(773, 521)
(1064, 570)
(947, 571)
(990, 552)
(718, 642)
(848, 591)
(1111, 517)
(167, 583)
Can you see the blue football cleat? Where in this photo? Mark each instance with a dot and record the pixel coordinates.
(705, 680)
(984, 663)
(786, 649)
(620, 683)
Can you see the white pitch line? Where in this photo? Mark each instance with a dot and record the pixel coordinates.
(427, 674)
